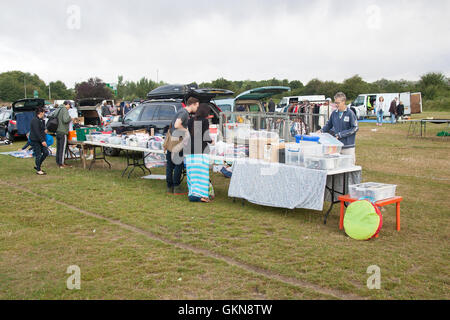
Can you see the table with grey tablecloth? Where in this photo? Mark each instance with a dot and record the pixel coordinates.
(284, 186)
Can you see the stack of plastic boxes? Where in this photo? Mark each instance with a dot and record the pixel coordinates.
(323, 156)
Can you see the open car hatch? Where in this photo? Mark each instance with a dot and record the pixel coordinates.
(262, 93)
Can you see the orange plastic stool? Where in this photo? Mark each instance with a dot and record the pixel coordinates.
(381, 203)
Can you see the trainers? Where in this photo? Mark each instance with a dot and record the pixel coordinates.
(170, 190)
(179, 190)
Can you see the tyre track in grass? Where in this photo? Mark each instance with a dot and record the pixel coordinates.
(207, 253)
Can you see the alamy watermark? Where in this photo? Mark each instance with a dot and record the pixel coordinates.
(74, 280)
(374, 17)
(74, 17)
(374, 281)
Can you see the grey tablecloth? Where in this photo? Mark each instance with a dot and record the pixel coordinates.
(278, 185)
(281, 185)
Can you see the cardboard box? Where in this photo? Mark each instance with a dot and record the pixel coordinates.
(128, 133)
(79, 120)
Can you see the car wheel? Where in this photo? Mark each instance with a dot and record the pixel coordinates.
(111, 152)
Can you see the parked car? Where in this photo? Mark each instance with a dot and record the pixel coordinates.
(23, 112)
(5, 117)
(91, 110)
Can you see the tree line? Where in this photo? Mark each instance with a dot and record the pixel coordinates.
(14, 84)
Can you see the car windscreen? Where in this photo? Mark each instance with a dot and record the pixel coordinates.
(133, 115)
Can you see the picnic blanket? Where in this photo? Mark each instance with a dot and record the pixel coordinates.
(26, 154)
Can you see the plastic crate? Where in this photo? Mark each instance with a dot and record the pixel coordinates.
(373, 190)
(344, 161)
(320, 163)
(82, 132)
(311, 149)
(330, 144)
(292, 154)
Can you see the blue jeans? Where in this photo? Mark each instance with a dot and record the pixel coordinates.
(195, 199)
(40, 153)
(379, 116)
(393, 120)
(173, 171)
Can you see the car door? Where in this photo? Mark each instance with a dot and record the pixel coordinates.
(130, 120)
(147, 117)
(165, 115)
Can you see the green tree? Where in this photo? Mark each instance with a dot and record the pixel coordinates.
(354, 86)
(14, 83)
(59, 91)
(434, 85)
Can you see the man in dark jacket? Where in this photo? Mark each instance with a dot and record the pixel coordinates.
(271, 106)
(393, 110)
(38, 141)
(400, 110)
(343, 125)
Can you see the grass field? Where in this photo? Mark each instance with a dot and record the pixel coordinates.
(133, 241)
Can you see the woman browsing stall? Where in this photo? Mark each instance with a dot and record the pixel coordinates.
(197, 159)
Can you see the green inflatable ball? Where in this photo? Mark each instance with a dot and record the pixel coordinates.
(362, 221)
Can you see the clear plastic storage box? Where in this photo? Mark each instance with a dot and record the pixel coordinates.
(321, 163)
(292, 154)
(375, 191)
(329, 143)
(311, 149)
(344, 161)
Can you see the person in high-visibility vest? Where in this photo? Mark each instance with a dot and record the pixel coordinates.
(369, 105)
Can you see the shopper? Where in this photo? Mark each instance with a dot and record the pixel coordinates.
(400, 110)
(117, 111)
(38, 140)
(61, 134)
(105, 110)
(126, 109)
(343, 125)
(175, 164)
(271, 106)
(393, 110)
(197, 155)
(380, 111)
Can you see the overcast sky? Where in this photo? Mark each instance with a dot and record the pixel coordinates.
(236, 39)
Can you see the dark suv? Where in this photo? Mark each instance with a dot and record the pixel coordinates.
(159, 112)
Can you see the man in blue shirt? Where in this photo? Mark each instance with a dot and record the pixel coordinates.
(343, 125)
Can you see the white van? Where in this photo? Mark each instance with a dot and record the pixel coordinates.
(364, 105)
